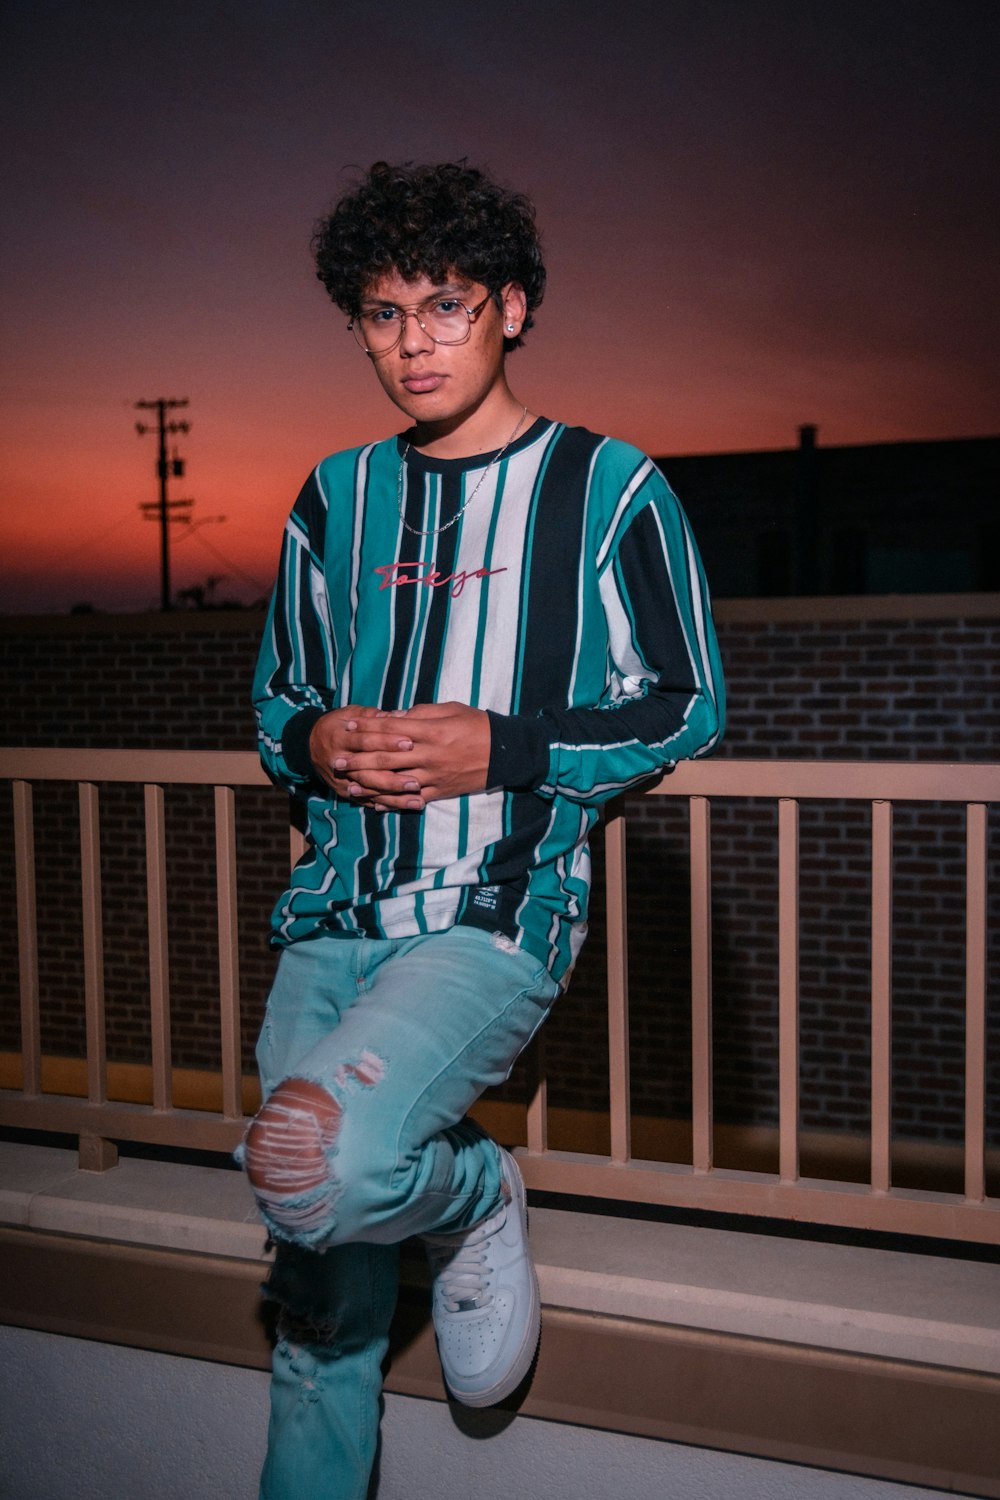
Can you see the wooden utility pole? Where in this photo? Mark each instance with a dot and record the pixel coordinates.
(163, 509)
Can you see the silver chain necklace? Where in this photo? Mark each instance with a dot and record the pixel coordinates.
(436, 530)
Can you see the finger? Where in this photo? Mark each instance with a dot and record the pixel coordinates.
(425, 731)
(347, 762)
(379, 735)
(346, 792)
(348, 758)
(399, 761)
(382, 801)
(349, 790)
(373, 743)
(383, 781)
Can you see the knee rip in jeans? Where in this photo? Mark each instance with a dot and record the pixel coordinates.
(305, 1366)
(288, 1146)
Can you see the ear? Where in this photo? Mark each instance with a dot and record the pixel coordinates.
(514, 307)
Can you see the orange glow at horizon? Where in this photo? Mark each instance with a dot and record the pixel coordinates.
(76, 533)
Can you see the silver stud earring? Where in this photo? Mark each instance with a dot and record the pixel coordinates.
(510, 328)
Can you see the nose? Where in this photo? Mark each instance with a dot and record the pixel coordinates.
(414, 340)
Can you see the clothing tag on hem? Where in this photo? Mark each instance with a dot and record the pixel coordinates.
(486, 898)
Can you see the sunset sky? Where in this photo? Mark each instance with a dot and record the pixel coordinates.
(757, 213)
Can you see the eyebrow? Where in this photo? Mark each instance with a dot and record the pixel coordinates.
(446, 286)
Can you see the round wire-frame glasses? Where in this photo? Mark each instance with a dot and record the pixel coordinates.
(445, 319)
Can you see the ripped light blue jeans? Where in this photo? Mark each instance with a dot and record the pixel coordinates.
(403, 1035)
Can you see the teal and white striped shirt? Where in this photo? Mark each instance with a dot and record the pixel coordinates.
(568, 601)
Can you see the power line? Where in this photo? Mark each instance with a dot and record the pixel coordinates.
(262, 588)
(195, 526)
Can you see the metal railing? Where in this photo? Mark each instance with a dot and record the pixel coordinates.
(875, 1204)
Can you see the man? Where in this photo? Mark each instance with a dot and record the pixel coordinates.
(481, 630)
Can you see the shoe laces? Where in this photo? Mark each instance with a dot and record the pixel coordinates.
(461, 1266)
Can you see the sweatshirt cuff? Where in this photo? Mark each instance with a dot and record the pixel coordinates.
(519, 752)
(295, 742)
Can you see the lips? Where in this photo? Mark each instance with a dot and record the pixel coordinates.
(421, 385)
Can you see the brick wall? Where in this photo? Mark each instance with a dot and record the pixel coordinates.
(876, 678)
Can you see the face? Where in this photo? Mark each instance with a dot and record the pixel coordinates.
(444, 384)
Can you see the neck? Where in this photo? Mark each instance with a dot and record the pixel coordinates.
(483, 429)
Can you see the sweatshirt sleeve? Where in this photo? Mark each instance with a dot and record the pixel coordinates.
(666, 698)
(296, 675)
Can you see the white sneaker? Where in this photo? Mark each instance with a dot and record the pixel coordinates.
(487, 1312)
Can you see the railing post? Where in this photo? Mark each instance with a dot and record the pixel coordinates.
(93, 942)
(96, 1154)
(975, 1001)
(618, 1029)
(788, 989)
(27, 939)
(159, 960)
(538, 1104)
(701, 984)
(881, 1015)
(229, 952)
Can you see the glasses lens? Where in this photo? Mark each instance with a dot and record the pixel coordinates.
(377, 329)
(446, 320)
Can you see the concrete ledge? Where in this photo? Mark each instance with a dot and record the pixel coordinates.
(872, 1361)
(139, 1202)
(887, 1303)
(877, 1302)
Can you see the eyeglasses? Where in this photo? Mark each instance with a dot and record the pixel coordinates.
(446, 320)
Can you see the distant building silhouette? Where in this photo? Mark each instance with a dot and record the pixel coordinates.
(875, 518)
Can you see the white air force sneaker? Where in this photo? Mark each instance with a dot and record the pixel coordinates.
(487, 1312)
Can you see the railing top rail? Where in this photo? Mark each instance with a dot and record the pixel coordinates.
(875, 781)
(900, 781)
(171, 767)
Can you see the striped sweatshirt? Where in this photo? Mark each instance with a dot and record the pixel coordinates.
(567, 600)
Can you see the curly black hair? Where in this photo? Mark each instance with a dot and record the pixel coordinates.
(430, 221)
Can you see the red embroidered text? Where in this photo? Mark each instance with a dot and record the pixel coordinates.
(394, 575)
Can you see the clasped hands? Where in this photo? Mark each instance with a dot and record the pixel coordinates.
(399, 760)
